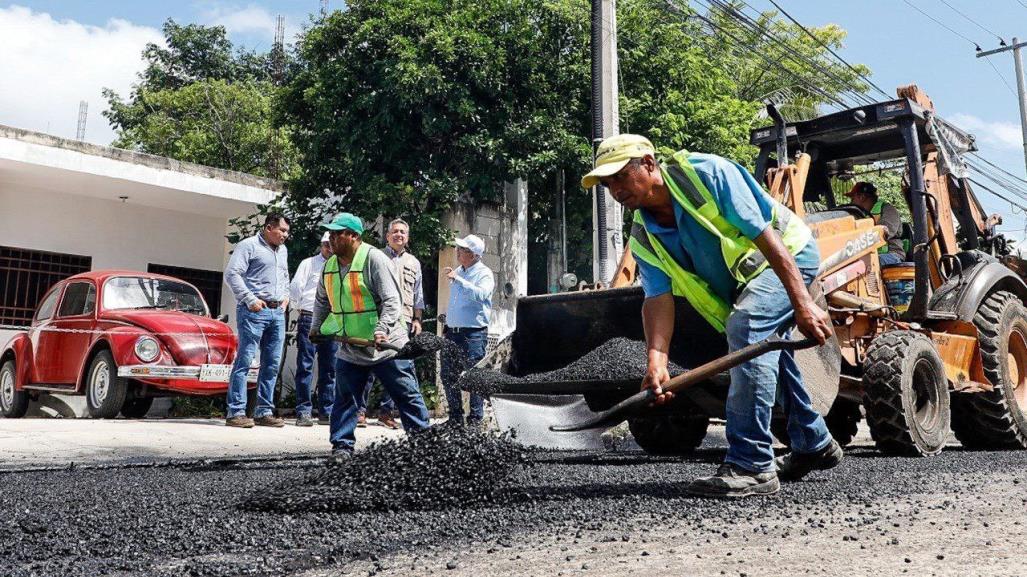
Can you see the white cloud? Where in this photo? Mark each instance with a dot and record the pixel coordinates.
(48, 66)
(1002, 135)
(238, 20)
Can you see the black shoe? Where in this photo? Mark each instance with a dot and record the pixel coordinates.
(324, 420)
(339, 456)
(731, 481)
(794, 466)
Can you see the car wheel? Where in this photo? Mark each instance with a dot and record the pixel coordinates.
(13, 403)
(105, 390)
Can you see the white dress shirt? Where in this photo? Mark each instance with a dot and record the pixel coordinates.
(303, 287)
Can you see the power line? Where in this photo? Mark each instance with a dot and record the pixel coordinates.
(1002, 42)
(828, 48)
(1021, 3)
(999, 74)
(677, 9)
(997, 167)
(751, 24)
(1009, 187)
(940, 23)
(1014, 203)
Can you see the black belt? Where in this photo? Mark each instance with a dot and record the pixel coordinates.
(465, 329)
(273, 304)
(306, 313)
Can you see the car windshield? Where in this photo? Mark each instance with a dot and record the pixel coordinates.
(151, 293)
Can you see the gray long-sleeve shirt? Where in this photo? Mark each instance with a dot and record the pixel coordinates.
(892, 222)
(380, 278)
(258, 271)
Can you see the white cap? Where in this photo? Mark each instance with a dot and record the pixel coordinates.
(325, 236)
(471, 243)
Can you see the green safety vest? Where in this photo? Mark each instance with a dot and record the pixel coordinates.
(742, 257)
(876, 211)
(353, 311)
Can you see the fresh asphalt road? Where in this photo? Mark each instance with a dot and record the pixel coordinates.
(960, 513)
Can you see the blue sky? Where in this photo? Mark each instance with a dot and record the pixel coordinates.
(70, 49)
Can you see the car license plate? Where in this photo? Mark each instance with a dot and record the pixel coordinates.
(217, 373)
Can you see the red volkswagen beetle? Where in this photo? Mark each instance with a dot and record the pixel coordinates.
(120, 338)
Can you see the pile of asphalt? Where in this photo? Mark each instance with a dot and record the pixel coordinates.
(443, 467)
(173, 521)
(618, 359)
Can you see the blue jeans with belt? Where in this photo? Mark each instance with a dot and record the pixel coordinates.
(399, 380)
(305, 351)
(472, 343)
(265, 329)
(764, 309)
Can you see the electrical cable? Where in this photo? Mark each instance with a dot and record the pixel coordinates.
(997, 167)
(751, 24)
(677, 9)
(983, 187)
(999, 74)
(1002, 41)
(826, 47)
(939, 23)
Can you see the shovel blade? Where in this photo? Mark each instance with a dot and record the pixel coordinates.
(530, 416)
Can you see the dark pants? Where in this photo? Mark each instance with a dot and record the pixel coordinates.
(472, 344)
(305, 351)
(398, 379)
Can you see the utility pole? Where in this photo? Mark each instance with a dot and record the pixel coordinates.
(607, 218)
(1021, 90)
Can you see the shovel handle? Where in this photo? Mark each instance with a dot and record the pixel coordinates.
(644, 398)
(368, 343)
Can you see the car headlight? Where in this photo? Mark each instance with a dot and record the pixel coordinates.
(147, 349)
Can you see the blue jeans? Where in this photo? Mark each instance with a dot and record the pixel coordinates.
(387, 405)
(888, 258)
(305, 351)
(399, 381)
(472, 344)
(266, 329)
(763, 309)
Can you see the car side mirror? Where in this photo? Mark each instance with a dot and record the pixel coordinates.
(223, 318)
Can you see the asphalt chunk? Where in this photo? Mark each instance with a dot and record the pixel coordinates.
(618, 359)
(443, 467)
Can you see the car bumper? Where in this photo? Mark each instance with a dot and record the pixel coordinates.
(171, 372)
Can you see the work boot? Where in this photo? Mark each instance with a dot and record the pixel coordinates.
(339, 456)
(304, 420)
(731, 481)
(361, 420)
(794, 466)
(241, 421)
(269, 421)
(387, 421)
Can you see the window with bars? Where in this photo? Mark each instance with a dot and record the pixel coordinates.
(208, 282)
(26, 275)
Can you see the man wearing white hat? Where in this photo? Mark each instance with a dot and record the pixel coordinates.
(467, 322)
(302, 290)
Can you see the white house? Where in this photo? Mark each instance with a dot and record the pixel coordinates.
(68, 206)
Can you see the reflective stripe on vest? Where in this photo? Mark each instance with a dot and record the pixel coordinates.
(648, 248)
(353, 312)
(876, 213)
(743, 259)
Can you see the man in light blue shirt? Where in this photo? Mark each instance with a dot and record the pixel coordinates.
(467, 323)
(667, 194)
(258, 275)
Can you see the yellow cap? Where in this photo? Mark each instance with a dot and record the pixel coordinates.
(614, 154)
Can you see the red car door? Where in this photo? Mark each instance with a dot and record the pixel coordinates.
(76, 312)
(42, 340)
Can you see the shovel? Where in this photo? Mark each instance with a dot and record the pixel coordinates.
(641, 400)
(417, 346)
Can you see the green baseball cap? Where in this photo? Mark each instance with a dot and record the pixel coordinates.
(346, 221)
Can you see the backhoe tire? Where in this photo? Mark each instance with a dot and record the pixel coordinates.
(842, 422)
(906, 394)
(996, 419)
(669, 434)
(13, 403)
